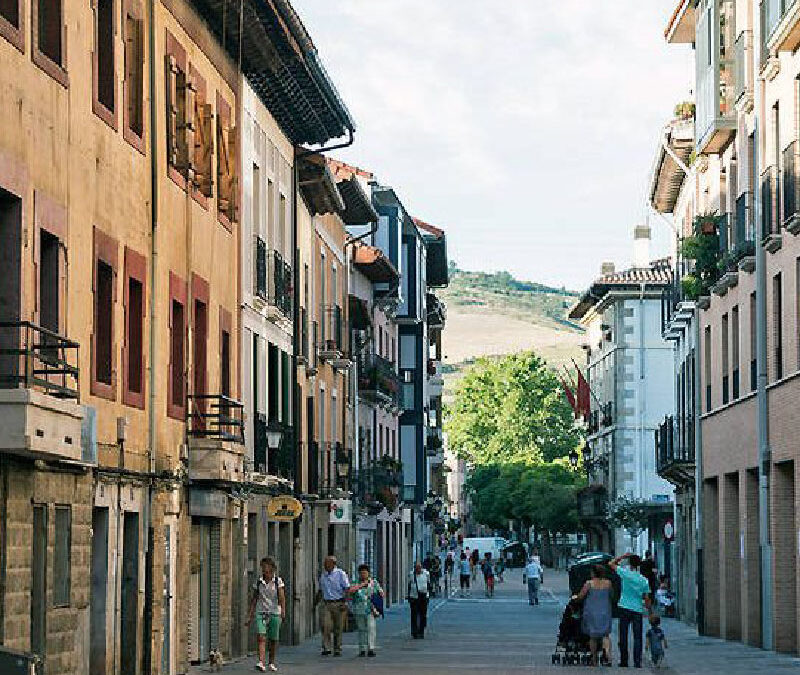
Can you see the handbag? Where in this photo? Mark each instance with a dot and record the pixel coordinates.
(410, 596)
(377, 602)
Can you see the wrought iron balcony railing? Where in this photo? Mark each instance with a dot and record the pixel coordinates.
(32, 357)
(332, 334)
(273, 279)
(675, 450)
(378, 379)
(272, 461)
(215, 416)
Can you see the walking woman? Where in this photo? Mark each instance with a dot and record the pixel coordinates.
(419, 584)
(596, 623)
(365, 610)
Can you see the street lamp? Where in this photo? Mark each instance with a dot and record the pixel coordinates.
(342, 466)
(274, 438)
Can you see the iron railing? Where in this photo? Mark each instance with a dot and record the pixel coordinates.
(675, 448)
(744, 229)
(332, 333)
(607, 414)
(215, 416)
(791, 203)
(33, 357)
(281, 291)
(770, 201)
(261, 269)
(378, 379)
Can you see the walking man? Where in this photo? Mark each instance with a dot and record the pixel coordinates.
(268, 604)
(634, 603)
(332, 591)
(419, 582)
(533, 573)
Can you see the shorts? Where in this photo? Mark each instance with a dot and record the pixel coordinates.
(269, 625)
(489, 582)
(464, 581)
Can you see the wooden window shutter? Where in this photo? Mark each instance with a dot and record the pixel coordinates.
(204, 148)
(222, 166)
(231, 174)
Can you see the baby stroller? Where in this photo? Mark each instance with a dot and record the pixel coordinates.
(572, 647)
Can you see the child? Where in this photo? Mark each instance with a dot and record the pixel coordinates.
(665, 600)
(656, 641)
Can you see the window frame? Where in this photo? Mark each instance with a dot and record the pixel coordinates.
(108, 115)
(176, 52)
(14, 34)
(105, 251)
(132, 9)
(135, 269)
(226, 327)
(58, 71)
(178, 292)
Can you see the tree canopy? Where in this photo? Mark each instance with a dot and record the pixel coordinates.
(511, 409)
(512, 423)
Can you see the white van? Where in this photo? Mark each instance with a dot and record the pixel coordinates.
(493, 545)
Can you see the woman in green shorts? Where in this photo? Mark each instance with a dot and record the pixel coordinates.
(268, 603)
(364, 611)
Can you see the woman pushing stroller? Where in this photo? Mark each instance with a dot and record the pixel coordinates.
(596, 596)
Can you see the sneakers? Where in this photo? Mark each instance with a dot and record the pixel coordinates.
(325, 652)
(272, 667)
(362, 653)
(370, 653)
(260, 666)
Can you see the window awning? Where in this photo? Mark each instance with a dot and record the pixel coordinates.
(318, 186)
(282, 65)
(374, 264)
(358, 208)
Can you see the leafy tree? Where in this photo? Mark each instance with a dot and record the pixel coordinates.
(511, 409)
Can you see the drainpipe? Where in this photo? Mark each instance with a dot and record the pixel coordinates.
(642, 399)
(698, 481)
(764, 451)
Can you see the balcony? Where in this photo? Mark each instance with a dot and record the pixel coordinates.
(593, 503)
(716, 119)
(435, 378)
(378, 485)
(39, 390)
(378, 381)
(331, 347)
(744, 247)
(436, 311)
(675, 456)
(273, 281)
(791, 183)
(770, 209)
(434, 444)
(215, 438)
(781, 25)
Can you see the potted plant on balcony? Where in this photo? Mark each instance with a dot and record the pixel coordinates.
(685, 110)
(692, 287)
(704, 250)
(706, 223)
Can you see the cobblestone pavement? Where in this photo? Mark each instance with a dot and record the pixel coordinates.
(506, 636)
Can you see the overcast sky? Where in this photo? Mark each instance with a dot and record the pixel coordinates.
(526, 128)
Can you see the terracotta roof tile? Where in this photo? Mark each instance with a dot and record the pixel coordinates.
(344, 171)
(431, 229)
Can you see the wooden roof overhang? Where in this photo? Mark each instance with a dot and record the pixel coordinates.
(318, 186)
(374, 265)
(358, 209)
(282, 65)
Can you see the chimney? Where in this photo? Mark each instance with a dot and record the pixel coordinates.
(641, 246)
(607, 269)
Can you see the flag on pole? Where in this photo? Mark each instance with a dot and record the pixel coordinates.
(570, 395)
(584, 397)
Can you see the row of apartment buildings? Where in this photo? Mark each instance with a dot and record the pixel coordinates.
(726, 178)
(200, 313)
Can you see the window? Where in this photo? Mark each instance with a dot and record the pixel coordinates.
(225, 352)
(49, 30)
(273, 384)
(11, 22)
(105, 263)
(177, 91)
(282, 222)
(133, 348)
(724, 336)
(226, 163)
(735, 352)
(777, 325)
(62, 556)
(797, 307)
(202, 160)
(177, 348)
(707, 366)
(103, 64)
(133, 88)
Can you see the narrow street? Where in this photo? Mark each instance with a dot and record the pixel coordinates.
(505, 636)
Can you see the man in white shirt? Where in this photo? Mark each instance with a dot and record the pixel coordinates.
(533, 573)
(419, 583)
(333, 587)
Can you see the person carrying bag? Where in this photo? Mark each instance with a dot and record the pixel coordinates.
(417, 595)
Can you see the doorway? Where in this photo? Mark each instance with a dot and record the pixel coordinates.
(98, 598)
(205, 588)
(129, 595)
(10, 282)
(39, 581)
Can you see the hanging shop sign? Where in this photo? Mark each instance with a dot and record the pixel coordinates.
(284, 509)
(341, 512)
